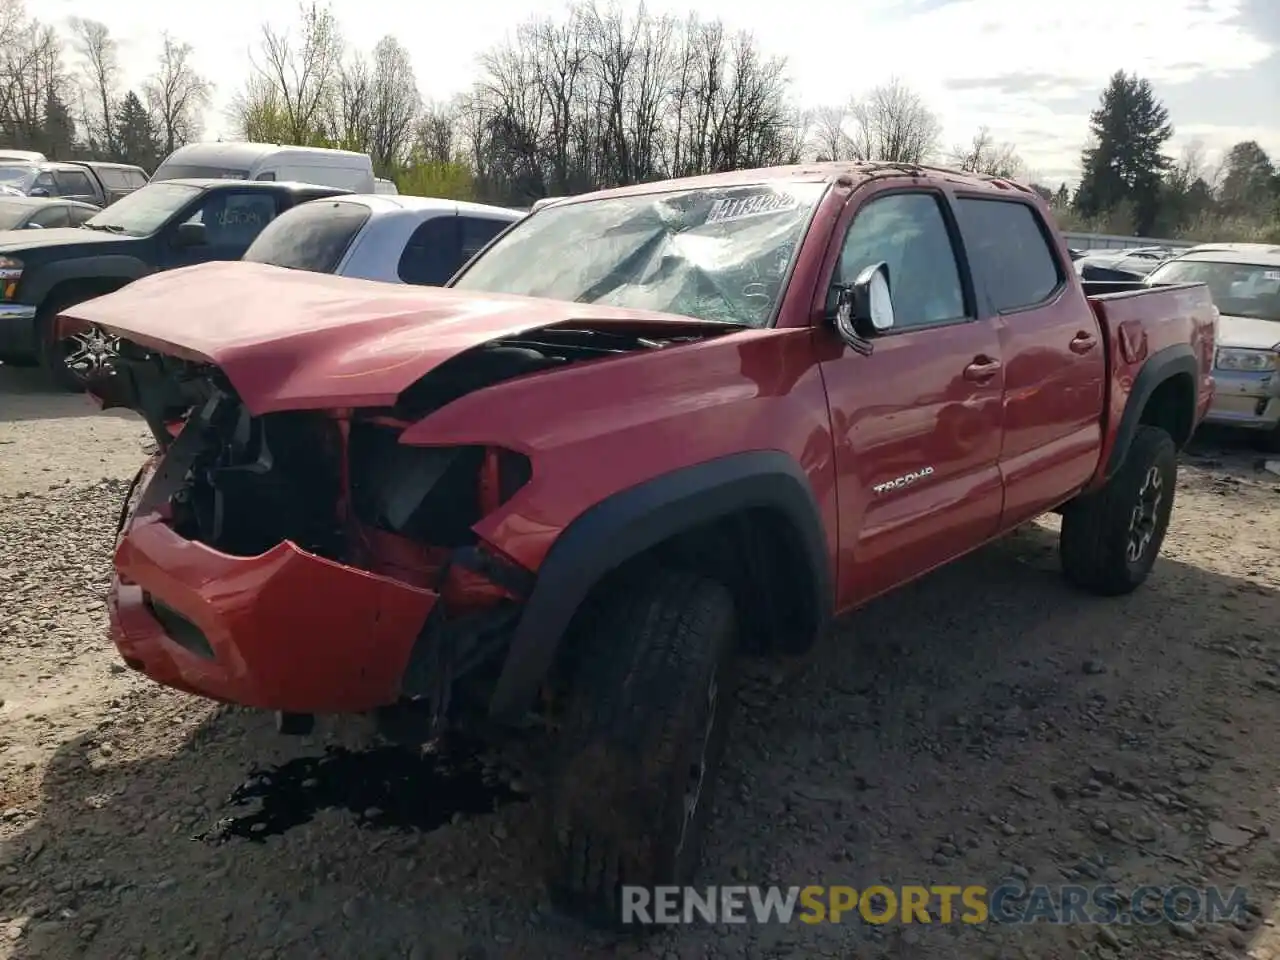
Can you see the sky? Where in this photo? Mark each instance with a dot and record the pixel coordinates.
(1032, 79)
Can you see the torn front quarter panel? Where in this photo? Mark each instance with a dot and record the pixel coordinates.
(294, 340)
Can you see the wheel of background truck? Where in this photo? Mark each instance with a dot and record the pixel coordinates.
(1110, 539)
(642, 741)
(71, 362)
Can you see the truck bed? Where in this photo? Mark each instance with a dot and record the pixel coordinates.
(1147, 324)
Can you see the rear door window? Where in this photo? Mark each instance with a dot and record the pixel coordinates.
(313, 236)
(54, 216)
(1008, 248)
(73, 183)
(434, 252)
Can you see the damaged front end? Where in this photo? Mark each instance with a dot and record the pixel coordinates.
(306, 561)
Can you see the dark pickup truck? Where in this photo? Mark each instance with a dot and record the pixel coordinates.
(88, 181)
(177, 223)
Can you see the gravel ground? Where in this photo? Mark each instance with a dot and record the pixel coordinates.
(987, 722)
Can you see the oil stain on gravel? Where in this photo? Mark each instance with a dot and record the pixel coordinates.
(386, 787)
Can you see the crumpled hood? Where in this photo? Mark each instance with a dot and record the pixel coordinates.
(292, 340)
(1248, 332)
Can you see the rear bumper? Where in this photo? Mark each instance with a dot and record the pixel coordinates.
(17, 331)
(1248, 400)
(285, 630)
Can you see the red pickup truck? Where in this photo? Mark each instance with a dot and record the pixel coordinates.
(641, 432)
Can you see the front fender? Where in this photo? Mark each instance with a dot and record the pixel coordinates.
(632, 521)
(50, 275)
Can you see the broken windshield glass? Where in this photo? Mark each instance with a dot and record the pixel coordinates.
(717, 254)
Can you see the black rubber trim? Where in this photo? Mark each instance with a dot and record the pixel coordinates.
(1160, 366)
(633, 520)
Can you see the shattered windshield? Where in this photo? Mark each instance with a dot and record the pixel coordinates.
(714, 254)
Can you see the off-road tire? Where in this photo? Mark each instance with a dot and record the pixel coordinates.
(648, 708)
(1098, 529)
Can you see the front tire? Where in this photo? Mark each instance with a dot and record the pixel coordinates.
(1110, 539)
(74, 361)
(643, 739)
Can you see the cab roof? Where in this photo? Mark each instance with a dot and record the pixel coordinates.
(848, 172)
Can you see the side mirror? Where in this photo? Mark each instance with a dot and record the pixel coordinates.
(38, 192)
(864, 308)
(190, 235)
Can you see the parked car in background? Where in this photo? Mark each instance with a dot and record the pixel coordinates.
(645, 431)
(1244, 280)
(163, 225)
(23, 213)
(269, 161)
(27, 156)
(1136, 261)
(86, 181)
(394, 239)
(385, 187)
(118, 179)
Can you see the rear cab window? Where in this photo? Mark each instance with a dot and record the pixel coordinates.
(1009, 250)
(313, 236)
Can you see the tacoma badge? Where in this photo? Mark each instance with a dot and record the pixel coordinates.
(903, 481)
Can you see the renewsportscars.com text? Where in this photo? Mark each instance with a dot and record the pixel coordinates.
(970, 904)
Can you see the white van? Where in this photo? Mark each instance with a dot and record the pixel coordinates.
(269, 161)
(25, 156)
(385, 187)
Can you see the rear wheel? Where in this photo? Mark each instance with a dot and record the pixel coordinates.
(1110, 539)
(74, 358)
(643, 739)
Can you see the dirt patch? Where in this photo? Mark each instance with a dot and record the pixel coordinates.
(987, 723)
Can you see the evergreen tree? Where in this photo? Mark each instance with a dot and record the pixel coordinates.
(136, 138)
(1126, 163)
(57, 137)
(1063, 196)
(1248, 178)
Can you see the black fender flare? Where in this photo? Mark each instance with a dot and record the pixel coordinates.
(628, 523)
(111, 267)
(1161, 366)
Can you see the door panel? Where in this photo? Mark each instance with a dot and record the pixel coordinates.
(1055, 366)
(917, 424)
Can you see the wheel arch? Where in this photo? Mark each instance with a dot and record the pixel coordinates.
(749, 518)
(1164, 395)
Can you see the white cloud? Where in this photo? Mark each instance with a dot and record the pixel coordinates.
(834, 50)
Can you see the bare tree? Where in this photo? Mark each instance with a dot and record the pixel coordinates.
(33, 84)
(892, 123)
(257, 112)
(394, 104)
(101, 65)
(301, 72)
(177, 96)
(827, 137)
(984, 155)
(350, 109)
(436, 134)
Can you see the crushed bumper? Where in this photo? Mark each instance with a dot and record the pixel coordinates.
(1248, 400)
(286, 630)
